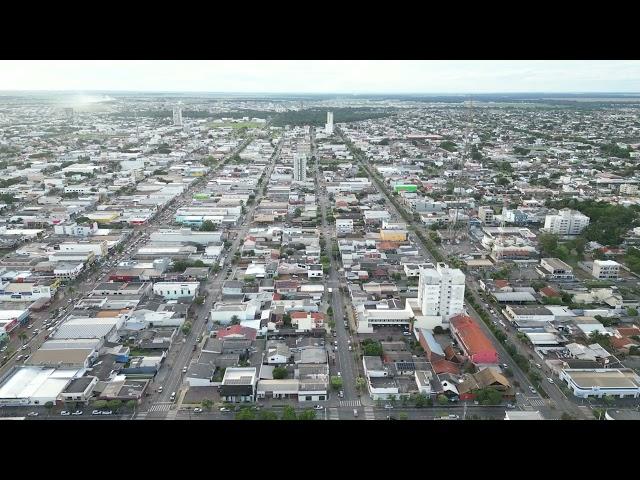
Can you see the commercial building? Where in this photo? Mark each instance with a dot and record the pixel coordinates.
(239, 385)
(598, 382)
(344, 226)
(555, 269)
(328, 128)
(532, 314)
(566, 222)
(27, 385)
(473, 341)
(174, 290)
(605, 269)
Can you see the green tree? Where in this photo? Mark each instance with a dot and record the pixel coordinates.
(114, 405)
(100, 404)
(49, 406)
(208, 226)
(186, 327)
(403, 416)
(336, 382)
(22, 337)
(206, 404)
(488, 396)
(361, 383)
(442, 399)
(246, 414)
(632, 312)
(279, 373)
(131, 405)
(289, 413)
(267, 415)
(307, 414)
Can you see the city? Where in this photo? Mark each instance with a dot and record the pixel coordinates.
(317, 257)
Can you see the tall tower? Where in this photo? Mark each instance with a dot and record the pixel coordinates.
(328, 128)
(300, 167)
(177, 115)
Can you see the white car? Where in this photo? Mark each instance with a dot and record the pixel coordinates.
(64, 413)
(550, 380)
(318, 407)
(406, 334)
(32, 414)
(77, 412)
(388, 406)
(225, 409)
(197, 410)
(96, 412)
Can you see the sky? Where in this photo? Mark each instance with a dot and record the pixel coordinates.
(323, 76)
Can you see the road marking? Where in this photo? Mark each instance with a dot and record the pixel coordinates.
(160, 407)
(333, 414)
(369, 413)
(537, 402)
(350, 403)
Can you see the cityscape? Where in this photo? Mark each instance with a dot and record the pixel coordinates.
(183, 255)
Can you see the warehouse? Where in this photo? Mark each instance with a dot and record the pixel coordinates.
(35, 385)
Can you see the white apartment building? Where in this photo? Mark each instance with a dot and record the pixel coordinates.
(175, 290)
(344, 226)
(566, 222)
(629, 189)
(300, 167)
(75, 230)
(485, 214)
(605, 269)
(440, 295)
(328, 128)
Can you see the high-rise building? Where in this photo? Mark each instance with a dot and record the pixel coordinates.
(566, 222)
(441, 291)
(300, 167)
(328, 128)
(485, 214)
(177, 116)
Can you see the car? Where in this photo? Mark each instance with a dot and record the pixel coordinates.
(197, 410)
(549, 379)
(335, 334)
(318, 407)
(341, 394)
(64, 413)
(339, 374)
(533, 390)
(406, 334)
(107, 412)
(225, 409)
(77, 412)
(504, 365)
(29, 327)
(184, 370)
(538, 365)
(32, 414)
(511, 405)
(454, 417)
(388, 406)
(350, 348)
(160, 389)
(18, 358)
(96, 412)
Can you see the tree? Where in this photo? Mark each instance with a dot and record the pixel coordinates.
(566, 416)
(307, 414)
(206, 404)
(22, 337)
(488, 396)
(49, 406)
(632, 312)
(297, 212)
(373, 349)
(267, 415)
(393, 400)
(279, 373)
(235, 320)
(336, 382)
(100, 404)
(186, 328)
(403, 416)
(114, 405)
(246, 414)
(442, 399)
(289, 413)
(208, 226)
(438, 330)
(131, 405)
(360, 383)
(420, 400)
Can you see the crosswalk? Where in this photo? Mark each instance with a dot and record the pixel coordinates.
(160, 407)
(350, 403)
(368, 413)
(537, 402)
(333, 414)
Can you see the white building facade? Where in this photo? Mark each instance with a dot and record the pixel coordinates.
(566, 222)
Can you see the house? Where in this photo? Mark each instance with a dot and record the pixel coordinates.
(486, 378)
(79, 390)
(174, 290)
(239, 385)
(276, 353)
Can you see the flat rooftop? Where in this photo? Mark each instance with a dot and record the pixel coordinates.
(604, 378)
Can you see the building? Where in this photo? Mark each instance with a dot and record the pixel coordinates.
(485, 214)
(518, 415)
(566, 222)
(300, 167)
(528, 314)
(239, 385)
(177, 116)
(344, 226)
(605, 269)
(328, 128)
(598, 382)
(174, 290)
(473, 341)
(555, 269)
(29, 385)
(440, 294)
(629, 189)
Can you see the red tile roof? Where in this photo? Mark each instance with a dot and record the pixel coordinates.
(474, 342)
(550, 292)
(246, 332)
(440, 365)
(628, 331)
(501, 283)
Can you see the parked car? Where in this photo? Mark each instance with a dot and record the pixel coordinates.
(388, 406)
(225, 409)
(32, 414)
(406, 334)
(550, 380)
(197, 410)
(64, 413)
(318, 407)
(184, 370)
(77, 412)
(454, 417)
(96, 412)
(107, 412)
